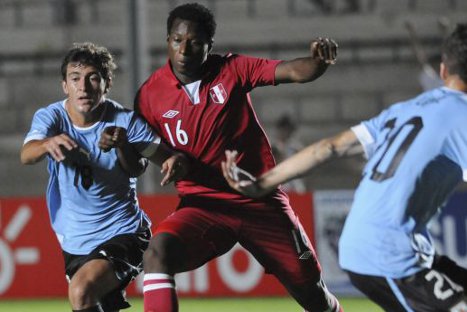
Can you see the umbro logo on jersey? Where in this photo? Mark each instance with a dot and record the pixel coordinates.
(218, 94)
(170, 114)
(306, 255)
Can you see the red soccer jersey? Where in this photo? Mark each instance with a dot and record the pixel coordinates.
(223, 119)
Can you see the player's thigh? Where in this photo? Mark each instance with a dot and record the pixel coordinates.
(426, 291)
(124, 252)
(378, 290)
(278, 241)
(96, 277)
(117, 259)
(432, 291)
(205, 234)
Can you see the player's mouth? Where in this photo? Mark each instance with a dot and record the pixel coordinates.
(183, 63)
(86, 99)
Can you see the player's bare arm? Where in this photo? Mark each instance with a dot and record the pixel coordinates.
(341, 145)
(174, 165)
(128, 157)
(174, 168)
(323, 52)
(35, 150)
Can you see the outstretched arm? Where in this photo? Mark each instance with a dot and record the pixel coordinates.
(344, 144)
(35, 150)
(323, 51)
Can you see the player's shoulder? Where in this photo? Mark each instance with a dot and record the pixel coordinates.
(117, 107)
(162, 73)
(54, 109)
(456, 97)
(225, 59)
(115, 110)
(441, 96)
(451, 105)
(56, 106)
(114, 105)
(420, 101)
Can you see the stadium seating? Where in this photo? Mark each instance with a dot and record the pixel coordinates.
(376, 65)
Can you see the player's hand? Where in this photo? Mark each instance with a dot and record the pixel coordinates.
(324, 49)
(240, 180)
(174, 168)
(112, 137)
(58, 145)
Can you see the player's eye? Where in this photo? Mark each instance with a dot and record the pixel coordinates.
(95, 78)
(196, 43)
(176, 39)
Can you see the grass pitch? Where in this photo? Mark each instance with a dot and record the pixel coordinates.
(269, 304)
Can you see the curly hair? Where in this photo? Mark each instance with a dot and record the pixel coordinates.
(88, 53)
(194, 12)
(454, 52)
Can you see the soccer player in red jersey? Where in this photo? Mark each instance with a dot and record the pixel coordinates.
(200, 104)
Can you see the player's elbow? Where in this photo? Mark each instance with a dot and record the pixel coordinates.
(30, 154)
(137, 169)
(328, 150)
(26, 159)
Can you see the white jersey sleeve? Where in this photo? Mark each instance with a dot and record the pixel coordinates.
(365, 138)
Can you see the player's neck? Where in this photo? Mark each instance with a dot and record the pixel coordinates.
(454, 82)
(84, 119)
(184, 79)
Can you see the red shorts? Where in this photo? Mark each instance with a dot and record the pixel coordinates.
(272, 234)
(269, 230)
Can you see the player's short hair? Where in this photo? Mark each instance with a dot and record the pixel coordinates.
(88, 53)
(454, 52)
(194, 12)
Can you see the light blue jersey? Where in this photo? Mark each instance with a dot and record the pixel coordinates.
(417, 154)
(89, 196)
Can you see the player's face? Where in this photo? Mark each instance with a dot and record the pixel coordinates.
(84, 86)
(188, 48)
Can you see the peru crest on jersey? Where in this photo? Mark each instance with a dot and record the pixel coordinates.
(218, 94)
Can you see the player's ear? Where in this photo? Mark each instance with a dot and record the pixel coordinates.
(65, 87)
(210, 45)
(443, 71)
(108, 85)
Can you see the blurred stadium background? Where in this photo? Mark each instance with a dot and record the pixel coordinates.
(376, 67)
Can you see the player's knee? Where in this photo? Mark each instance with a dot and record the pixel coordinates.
(151, 261)
(163, 254)
(82, 293)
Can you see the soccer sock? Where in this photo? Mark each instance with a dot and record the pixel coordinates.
(159, 293)
(96, 308)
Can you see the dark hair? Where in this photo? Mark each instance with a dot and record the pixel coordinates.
(88, 53)
(455, 52)
(194, 12)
